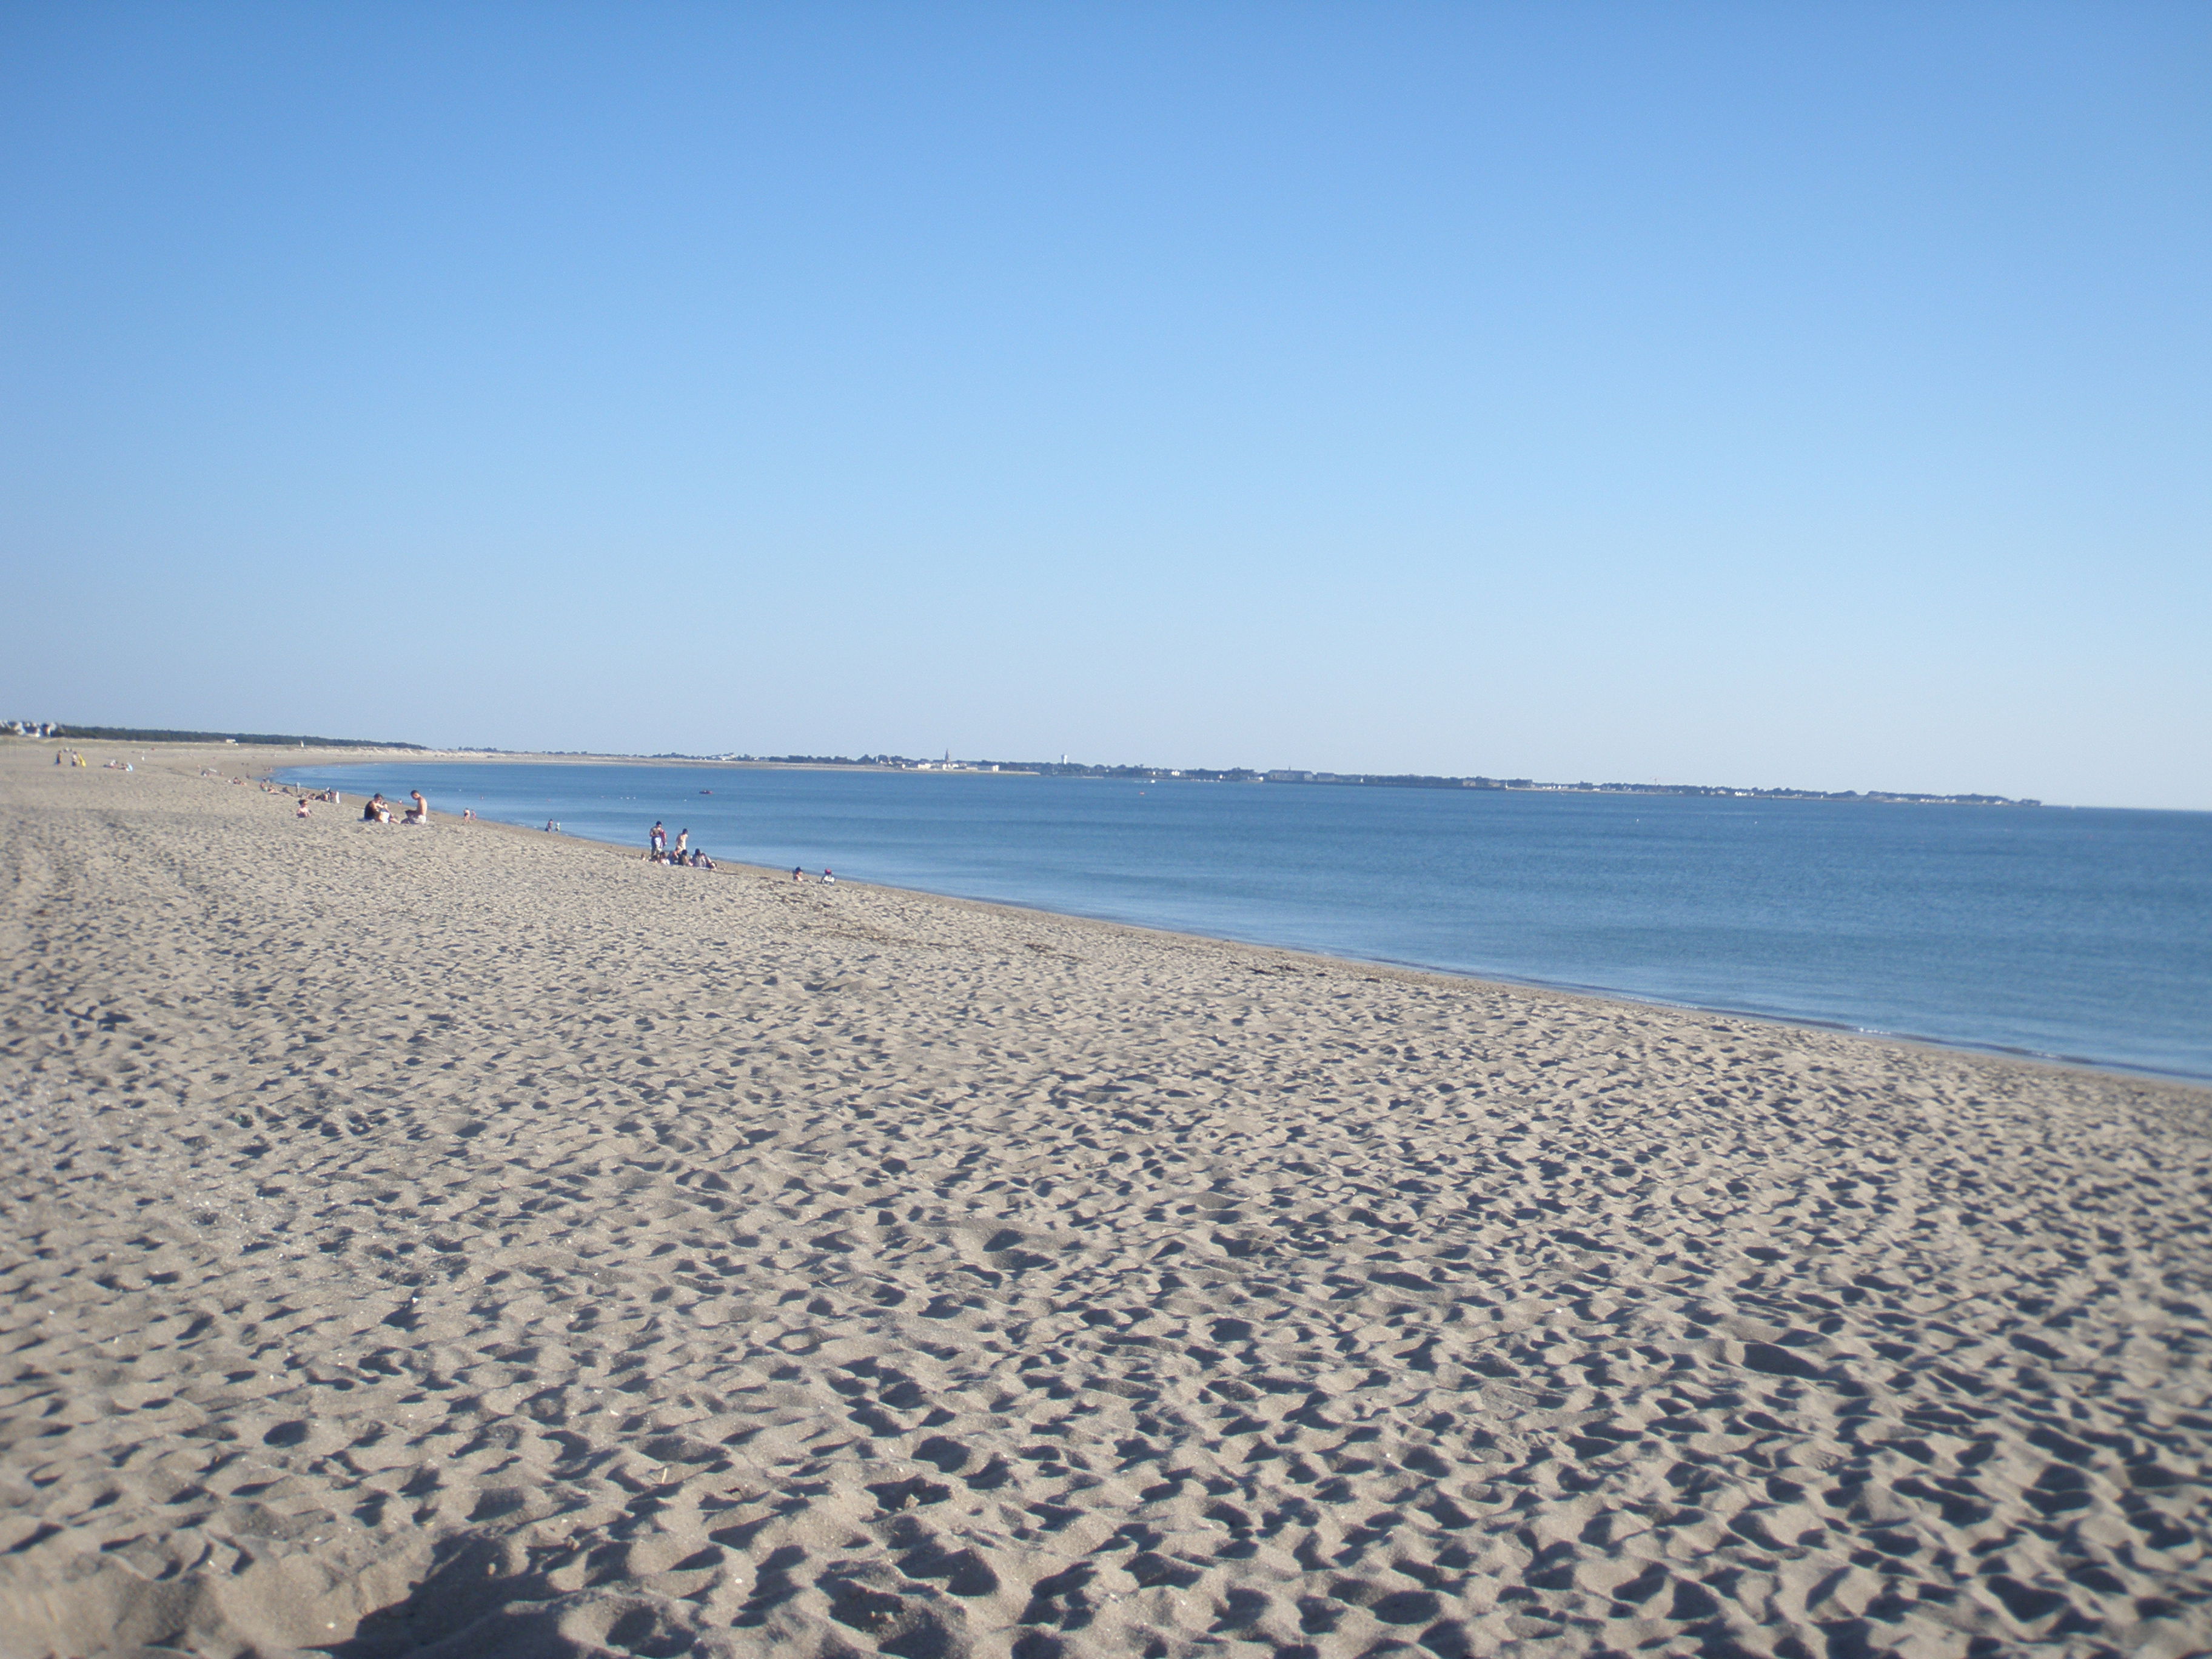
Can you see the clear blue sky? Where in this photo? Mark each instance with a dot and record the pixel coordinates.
(1762, 394)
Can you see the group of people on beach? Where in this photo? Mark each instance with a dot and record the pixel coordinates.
(374, 810)
(74, 757)
(306, 799)
(681, 856)
(377, 809)
(684, 855)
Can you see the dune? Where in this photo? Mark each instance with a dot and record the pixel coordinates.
(464, 1242)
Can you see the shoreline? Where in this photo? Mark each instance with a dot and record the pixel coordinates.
(428, 1243)
(1776, 796)
(1597, 992)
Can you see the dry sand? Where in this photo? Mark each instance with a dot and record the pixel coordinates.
(469, 1242)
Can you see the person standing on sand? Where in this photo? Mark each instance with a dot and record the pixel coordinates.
(683, 840)
(658, 838)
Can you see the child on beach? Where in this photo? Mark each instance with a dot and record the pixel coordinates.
(302, 809)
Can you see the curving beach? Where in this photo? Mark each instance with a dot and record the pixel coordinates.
(466, 1242)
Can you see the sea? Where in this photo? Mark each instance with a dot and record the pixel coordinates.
(2074, 934)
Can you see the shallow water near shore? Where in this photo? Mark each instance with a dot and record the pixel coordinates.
(2068, 934)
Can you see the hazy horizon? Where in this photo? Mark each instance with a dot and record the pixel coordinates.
(337, 756)
(1811, 400)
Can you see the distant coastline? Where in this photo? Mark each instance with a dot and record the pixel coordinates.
(61, 732)
(1365, 780)
(1060, 769)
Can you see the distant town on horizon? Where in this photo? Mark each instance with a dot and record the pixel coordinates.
(1063, 767)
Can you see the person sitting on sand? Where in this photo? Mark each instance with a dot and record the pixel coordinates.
(798, 873)
(370, 809)
(421, 813)
(702, 860)
(828, 879)
(301, 812)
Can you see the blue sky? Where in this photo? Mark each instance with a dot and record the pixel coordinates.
(1753, 394)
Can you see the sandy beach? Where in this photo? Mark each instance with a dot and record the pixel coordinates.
(465, 1242)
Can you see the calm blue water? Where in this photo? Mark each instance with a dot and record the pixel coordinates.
(2078, 934)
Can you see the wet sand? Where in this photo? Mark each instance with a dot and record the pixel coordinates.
(467, 1242)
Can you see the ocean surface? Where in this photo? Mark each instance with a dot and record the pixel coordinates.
(2076, 934)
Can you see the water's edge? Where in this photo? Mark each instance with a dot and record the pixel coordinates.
(2192, 1081)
